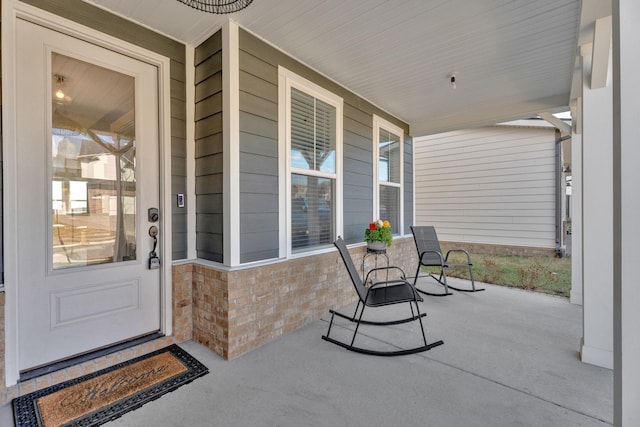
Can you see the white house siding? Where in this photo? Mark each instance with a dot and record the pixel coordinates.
(491, 185)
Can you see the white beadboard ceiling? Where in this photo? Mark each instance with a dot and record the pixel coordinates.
(512, 58)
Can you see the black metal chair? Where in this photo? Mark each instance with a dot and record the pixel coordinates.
(430, 255)
(379, 294)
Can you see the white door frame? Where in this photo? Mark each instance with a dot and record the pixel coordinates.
(11, 11)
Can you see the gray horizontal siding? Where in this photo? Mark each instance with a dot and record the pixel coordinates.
(259, 233)
(492, 185)
(105, 22)
(209, 163)
(358, 173)
(259, 126)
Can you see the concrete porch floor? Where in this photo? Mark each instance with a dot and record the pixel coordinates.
(510, 357)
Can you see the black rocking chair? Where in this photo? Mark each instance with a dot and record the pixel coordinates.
(379, 294)
(430, 255)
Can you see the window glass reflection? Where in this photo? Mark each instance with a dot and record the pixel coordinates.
(93, 180)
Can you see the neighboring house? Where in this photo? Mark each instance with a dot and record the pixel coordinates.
(493, 188)
(284, 160)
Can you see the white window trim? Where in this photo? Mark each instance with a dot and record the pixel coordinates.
(287, 80)
(231, 142)
(380, 123)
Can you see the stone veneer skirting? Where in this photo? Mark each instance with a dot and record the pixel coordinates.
(237, 311)
(233, 312)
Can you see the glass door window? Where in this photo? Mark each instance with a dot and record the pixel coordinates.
(93, 164)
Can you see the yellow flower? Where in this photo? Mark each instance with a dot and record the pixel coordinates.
(386, 224)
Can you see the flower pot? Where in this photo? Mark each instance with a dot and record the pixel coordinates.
(376, 246)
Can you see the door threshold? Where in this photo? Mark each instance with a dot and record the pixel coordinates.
(77, 360)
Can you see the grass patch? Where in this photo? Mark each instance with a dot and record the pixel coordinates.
(542, 274)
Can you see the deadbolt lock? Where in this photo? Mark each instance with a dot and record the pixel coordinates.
(153, 214)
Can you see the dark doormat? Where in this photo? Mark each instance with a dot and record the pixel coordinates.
(105, 395)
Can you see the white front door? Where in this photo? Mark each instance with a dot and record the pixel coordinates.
(88, 171)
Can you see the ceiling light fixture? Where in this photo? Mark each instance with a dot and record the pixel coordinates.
(59, 85)
(219, 7)
(60, 96)
(452, 81)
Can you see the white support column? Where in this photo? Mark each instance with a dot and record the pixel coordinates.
(597, 201)
(191, 153)
(231, 142)
(601, 56)
(576, 218)
(577, 261)
(626, 229)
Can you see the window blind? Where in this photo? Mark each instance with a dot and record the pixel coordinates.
(313, 133)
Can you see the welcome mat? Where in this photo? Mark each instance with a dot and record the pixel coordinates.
(105, 395)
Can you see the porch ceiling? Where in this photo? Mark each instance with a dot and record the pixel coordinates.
(512, 58)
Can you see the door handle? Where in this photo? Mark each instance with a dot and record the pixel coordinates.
(154, 261)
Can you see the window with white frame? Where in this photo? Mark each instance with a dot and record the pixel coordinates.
(388, 195)
(313, 129)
